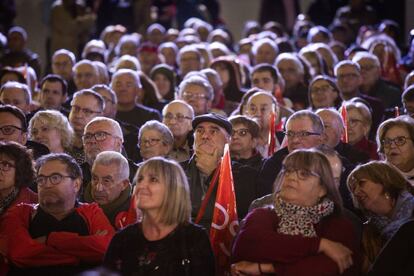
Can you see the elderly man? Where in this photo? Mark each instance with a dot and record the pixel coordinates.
(101, 134)
(53, 93)
(13, 127)
(59, 236)
(304, 130)
(130, 132)
(17, 94)
(348, 79)
(189, 59)
(334, 129)
(264, 50)
(177, 116)
(128, 88)
(260, 107)
(85, 105)
(197, 92)
(110, 187)
(292, 71)
(211, 133)
(244, 140)
(372, 83)
(62, 63)
(85, 74)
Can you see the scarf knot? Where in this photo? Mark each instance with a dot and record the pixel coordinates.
(300, 220)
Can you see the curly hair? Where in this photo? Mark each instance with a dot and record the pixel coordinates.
(23, 161)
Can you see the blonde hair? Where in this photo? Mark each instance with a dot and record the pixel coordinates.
(381, 173)
(57, 120)
(176, 204)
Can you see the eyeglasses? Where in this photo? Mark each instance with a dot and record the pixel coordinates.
(189, 96)
(85, 111)
(98, 136)
(367, 67)
(347, 76)
(54, 178)
(300, 134)
(106, 181)
(149, 142)
(354, 122)
(320, 90)
(302, 174)
(6, 166)
(178, 117)
(398, 141)
(9, 129)
(240, 132)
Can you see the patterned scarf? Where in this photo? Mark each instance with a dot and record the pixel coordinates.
(8, 200)
(403, 211)
(300, 220)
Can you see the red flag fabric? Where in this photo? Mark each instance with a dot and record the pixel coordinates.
(389, 68)
(344, 115)
(272, 133)
(397, 111)
(225, 221)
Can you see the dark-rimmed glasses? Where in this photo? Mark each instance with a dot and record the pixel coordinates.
(54, 179)
(398, 141)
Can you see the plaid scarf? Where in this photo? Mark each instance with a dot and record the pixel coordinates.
(8, 200)
(300, 220)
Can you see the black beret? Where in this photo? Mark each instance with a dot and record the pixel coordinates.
(213, 118)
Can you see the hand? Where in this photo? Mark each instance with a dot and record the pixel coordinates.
(339, 253)
(101, 232)
(41, 239)
(245, 268)
(207, 162)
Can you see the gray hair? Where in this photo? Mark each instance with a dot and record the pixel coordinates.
(115, 127)
(334, 112)
(130, 72)
(189, 107)
(86, 62)
(89, 92)
(292, 57)
(23, 87)
(166, 134)
(317, 124)
(107, 158)
(346, 63)
(98, 87)
(125, 59)
(361, 55)
(259, 43)
(196, 80)
(66, 53)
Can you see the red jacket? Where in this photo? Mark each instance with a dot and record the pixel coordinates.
(25, 196)
(259, 241)
(61, 248)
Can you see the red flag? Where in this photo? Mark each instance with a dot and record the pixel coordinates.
(272, 133)
(344, 115)
(225, 223)
(397, 111)
(390, 67)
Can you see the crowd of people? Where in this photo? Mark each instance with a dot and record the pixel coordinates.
(111, 159)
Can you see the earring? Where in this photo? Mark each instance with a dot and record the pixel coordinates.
(387, 196)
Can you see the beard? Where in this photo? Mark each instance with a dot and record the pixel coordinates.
(49, 200)
(91, 154)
